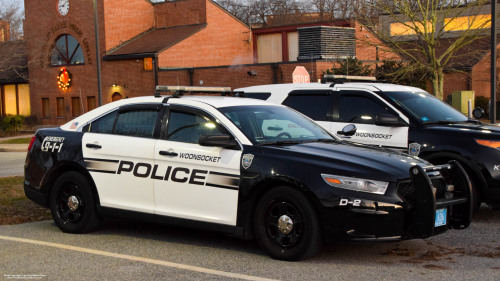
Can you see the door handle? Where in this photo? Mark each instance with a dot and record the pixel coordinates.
(91, 145)
(168, 153)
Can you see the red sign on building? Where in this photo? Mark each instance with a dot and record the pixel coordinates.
(300, 75)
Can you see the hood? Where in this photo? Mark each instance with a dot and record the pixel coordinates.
(485, 131)
(351, 159)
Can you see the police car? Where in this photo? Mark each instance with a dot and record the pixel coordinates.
(398, 117)
(243, 167)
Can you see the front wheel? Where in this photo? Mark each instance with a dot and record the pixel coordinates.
(287, 226)
(73, 205)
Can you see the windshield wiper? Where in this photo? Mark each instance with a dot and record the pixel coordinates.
(326, 140)
(474, 121)
(279, 143)
(444, 122)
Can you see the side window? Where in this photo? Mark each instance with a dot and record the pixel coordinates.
(136, 123)
(188, 127)
(104, 125)
(315, 107)
(359, 109)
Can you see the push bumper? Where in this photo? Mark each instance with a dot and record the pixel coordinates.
(402, 220)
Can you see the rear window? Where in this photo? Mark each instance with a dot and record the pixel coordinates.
(315, 107)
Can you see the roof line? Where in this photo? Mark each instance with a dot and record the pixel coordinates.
(130, 40)
(231, 15)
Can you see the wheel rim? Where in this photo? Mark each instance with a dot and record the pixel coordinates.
(283, 224)
(70, 203)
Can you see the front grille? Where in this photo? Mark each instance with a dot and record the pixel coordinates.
(406, 190)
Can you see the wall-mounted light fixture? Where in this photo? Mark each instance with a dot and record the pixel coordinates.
(114, 85)
(125, 86)
(252, 73)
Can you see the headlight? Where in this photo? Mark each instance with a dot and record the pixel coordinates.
(370, 186)
(492, 144)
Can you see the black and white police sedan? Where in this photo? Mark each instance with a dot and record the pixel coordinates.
(243, 167)
(398, 117)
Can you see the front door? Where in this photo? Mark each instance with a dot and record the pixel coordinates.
(361, 108)
(193, 181)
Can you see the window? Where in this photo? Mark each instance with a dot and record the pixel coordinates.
(362, 110)
(148, 63)
(408, 28)
(45, 107)
(269, 48)
(76, 107)
(10, 99)
(464, 23)
(188, 127)
(60, 110)
(104, 125)
(2, 35)
(67, 51)
(23, 96)
(91, 103)
(136, 123)
(267, 124)
(315, 107)
(293, 46)
(116, 96)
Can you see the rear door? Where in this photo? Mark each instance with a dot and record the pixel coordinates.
(315, 104)
(118, 152)
(361, 108)
(192, 181)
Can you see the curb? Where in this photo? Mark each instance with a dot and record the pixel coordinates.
(13, 150)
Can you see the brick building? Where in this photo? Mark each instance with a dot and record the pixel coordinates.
(137, 38)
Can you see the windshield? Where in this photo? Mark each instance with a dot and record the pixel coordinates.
(274, 124)
(426, 107)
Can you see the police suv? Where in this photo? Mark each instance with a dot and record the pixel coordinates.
(397, 117)
(244, 167)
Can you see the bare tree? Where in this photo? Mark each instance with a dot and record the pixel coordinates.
(432, 35)
(12, 15)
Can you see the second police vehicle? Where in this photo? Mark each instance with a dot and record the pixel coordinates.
(398, 117)
(243, 167)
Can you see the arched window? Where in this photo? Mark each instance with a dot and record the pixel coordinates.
(67, 51)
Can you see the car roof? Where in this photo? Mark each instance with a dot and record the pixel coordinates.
(286, 88)
(205, 102)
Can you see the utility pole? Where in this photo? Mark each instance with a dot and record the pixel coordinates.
(98, 54)
(493, 61)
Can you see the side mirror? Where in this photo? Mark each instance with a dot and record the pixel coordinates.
(478, 113)
(389, 120)
(348, 130)
(224, 141)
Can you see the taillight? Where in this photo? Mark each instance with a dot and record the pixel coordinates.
(31, 143)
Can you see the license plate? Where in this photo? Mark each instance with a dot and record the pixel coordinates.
(440, 217)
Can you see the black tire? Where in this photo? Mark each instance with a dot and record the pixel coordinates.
(303, 240)
(79, 217)
(477, 197)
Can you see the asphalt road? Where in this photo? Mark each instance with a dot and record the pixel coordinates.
(129, 250)
(12, 163)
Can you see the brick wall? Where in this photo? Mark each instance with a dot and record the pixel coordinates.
(367, 43)
(222, 42)
(125, 19)
(481, 76)
(178, 13)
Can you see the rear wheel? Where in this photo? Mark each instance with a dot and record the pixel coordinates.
(73, 205)
(287, 226)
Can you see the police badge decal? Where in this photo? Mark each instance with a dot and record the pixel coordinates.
(414, 149)
(246, 160)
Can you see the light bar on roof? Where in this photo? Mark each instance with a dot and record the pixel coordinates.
(351, 77)
(192, 89)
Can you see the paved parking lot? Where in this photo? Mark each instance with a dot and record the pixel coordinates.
(129, 250)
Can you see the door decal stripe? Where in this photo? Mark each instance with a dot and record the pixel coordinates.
(221, 186)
